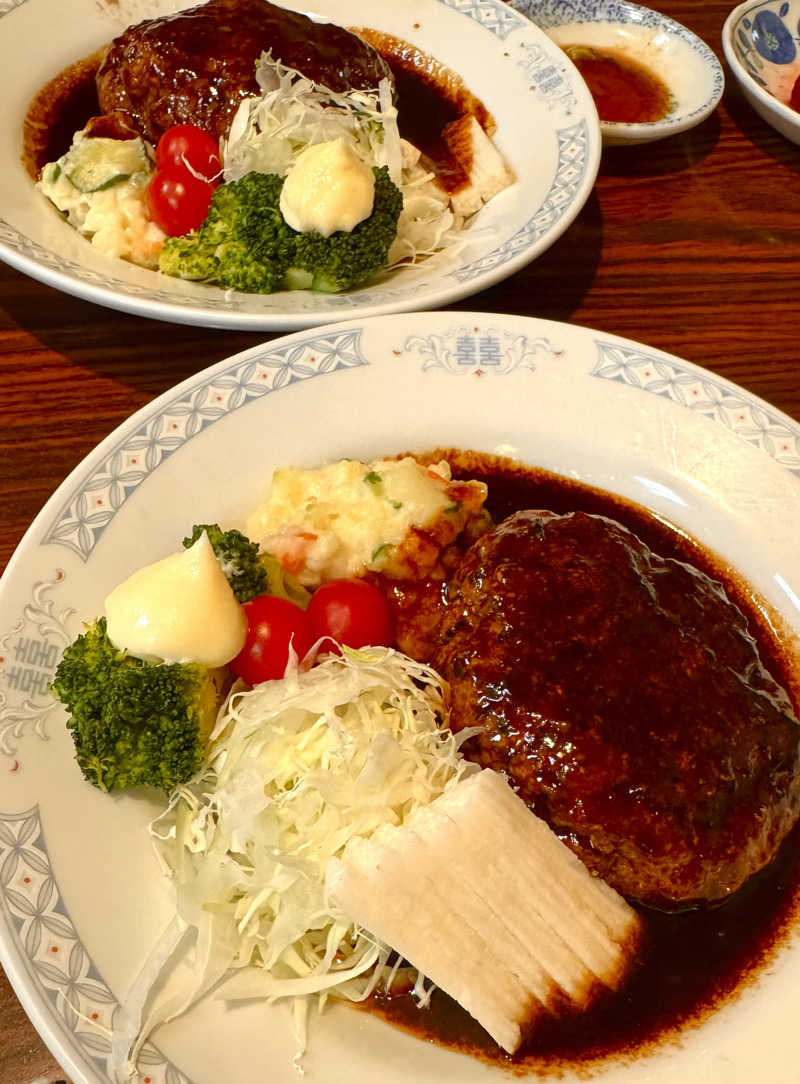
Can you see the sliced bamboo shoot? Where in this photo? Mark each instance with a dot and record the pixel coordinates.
(479, 895)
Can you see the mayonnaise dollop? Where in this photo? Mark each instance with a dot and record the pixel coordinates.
(181, 609)
(328, 188)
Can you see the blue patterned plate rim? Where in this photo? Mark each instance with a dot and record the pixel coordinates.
(499, 363)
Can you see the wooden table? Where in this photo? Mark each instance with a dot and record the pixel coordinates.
(691, 245)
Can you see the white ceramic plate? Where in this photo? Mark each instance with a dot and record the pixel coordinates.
(547, 130)
(81, 897)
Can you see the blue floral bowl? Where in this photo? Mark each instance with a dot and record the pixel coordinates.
(761, 40)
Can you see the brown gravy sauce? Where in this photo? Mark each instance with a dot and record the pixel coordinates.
(61, 108)
(429, 97)
(690, 962)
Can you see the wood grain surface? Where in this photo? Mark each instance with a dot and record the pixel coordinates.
(691, 245)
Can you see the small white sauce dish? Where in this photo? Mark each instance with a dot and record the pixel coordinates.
(678, 57)
(760, 40)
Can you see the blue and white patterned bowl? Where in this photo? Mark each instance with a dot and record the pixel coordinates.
(683, 61)
(761, 40)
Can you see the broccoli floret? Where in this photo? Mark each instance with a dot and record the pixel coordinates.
(134, 723)
(188, 257)
(344, 260)
(238, 558)
(244, 243)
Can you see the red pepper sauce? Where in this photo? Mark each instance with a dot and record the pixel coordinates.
(623, 90)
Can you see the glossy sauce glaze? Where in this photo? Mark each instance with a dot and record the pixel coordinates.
(429, 97)
(624, 90)
(690, 962)
(196, 66)
(61, 108)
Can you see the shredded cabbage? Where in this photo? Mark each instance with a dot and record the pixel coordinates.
(297, 767)
(269, 132)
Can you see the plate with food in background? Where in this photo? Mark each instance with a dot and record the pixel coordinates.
(236, 164)
(538, 811)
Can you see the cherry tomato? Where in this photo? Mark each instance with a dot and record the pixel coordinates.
(192, 148)
(352, 612)
(273, 623)
(177, 201)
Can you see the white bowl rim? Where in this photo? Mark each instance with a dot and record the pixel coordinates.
(741, 73)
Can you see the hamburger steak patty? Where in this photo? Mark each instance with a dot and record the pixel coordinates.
(624, 696)
(196, 67)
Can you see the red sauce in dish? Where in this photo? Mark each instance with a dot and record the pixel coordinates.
(623, 89)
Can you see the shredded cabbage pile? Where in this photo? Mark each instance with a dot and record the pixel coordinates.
(297, 768)
(269, 132)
